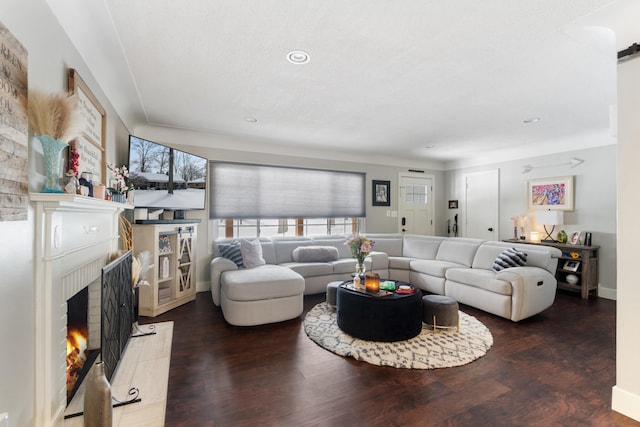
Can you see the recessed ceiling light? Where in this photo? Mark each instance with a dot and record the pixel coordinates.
(250, 119)
(532, 120)
(298, 57)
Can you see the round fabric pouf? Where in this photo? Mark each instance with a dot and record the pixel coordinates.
(331, 293)
(440, 311)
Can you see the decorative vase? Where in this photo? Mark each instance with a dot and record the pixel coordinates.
(98, 409)
(120, 198)
(360, 269)
(562, 236)
(51, 150)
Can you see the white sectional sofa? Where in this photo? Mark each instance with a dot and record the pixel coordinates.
(457, 267)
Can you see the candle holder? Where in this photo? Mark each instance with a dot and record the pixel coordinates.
(372, 281)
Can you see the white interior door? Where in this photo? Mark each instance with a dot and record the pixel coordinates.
(482, 205)
(415, 205)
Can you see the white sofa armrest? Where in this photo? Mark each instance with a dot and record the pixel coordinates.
(534, 290)
(218, 266)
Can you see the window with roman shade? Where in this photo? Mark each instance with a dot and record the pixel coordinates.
(242, 190)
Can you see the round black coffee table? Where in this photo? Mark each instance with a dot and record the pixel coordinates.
(395, 317)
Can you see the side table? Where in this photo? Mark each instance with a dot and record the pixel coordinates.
(579, 260)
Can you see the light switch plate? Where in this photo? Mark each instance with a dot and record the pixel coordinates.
(4, 420)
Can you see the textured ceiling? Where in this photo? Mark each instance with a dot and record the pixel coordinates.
(388, 78)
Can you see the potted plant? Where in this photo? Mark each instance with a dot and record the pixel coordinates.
(121, 185)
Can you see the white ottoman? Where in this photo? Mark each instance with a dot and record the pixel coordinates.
(259, 295)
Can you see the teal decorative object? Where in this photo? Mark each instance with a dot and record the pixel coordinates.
(52, 149)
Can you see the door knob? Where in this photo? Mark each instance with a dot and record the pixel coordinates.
(490, 228)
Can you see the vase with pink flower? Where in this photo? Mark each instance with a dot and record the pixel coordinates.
(360, 246)
(121, 185)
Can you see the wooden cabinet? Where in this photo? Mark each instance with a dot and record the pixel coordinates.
(172, 276)
(576, 260)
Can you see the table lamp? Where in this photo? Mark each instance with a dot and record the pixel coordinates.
(552, 218)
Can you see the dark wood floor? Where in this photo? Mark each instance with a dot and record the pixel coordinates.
(555, 369)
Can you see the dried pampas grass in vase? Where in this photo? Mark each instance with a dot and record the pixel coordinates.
(55, 119)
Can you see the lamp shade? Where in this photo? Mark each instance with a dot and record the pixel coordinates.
(550, 217)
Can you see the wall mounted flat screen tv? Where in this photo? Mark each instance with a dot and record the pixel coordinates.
(165, 177)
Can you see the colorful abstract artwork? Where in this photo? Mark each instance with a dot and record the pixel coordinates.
(551, 193)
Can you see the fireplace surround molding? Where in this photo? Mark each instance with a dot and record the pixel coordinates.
(75, 237)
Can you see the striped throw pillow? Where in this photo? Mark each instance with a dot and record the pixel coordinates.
(231, 251)
(509, 258)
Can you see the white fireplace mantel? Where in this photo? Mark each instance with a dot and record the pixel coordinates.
(75, 237)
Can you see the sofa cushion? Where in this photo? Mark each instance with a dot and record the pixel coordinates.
(399, 262)
(423, 247)
(261, 283)
(509, 258)
(315, 254)
(284, 246)
(458, 249)
(348, 265)
(391, 244)
(432, 267)
(310, 269)
(482, 279)
(231, 251)
(336, 241)
(251, 253)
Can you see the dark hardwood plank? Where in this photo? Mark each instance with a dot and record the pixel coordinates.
(556, 368)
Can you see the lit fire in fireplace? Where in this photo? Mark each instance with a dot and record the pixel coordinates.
(76, 355)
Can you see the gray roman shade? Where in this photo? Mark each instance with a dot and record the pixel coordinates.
(241, 190)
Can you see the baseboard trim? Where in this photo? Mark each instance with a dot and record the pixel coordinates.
(626, 403)
(607, 293)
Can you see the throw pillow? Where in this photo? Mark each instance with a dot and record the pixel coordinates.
(315, 254)
(231, 251)
(251, 253)
(509, 258)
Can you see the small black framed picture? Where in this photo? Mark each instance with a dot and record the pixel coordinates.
(381, 193)
(571, 265)
(453, 204)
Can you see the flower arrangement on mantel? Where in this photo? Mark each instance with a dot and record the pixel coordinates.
(54, 114)
(122, 184)
(360, 246)
(55, 119)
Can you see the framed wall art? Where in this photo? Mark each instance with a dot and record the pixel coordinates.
(381, 193)
(92, 143)
(550, 193)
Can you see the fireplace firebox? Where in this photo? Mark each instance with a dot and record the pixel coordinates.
(81, 352)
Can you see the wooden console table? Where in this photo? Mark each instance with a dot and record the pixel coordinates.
(586, 271)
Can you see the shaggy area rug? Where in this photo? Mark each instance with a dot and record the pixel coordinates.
(427, 350)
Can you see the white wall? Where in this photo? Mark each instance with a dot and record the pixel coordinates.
(626, 393)
(50, 55)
